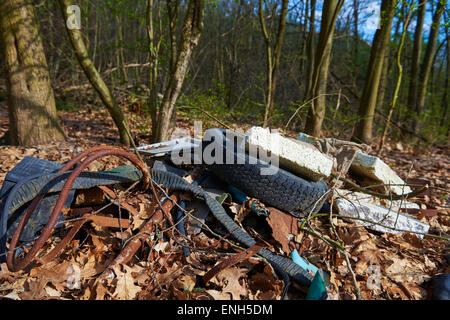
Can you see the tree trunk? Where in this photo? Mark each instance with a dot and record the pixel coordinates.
(190, 35)
(277, 50)
(392, 75)
(120, 48)
(445, 103)
(153, 47)
(172, 15)
(310, 51)
(316, 111)
(303, 29)
(417, 49)
(426, 66)
(363, 132)
(94, 77)
(355, 50)
(399, 78)
(383, 80)
(31, 102)
(269, 65)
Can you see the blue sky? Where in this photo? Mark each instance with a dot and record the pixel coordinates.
(369, 17)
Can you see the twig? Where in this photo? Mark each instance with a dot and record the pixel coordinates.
(411, 185)
(131, 65)
(306, 103)
(355, 284)
(209, 115)
(153, 271)
(380, 195)
(343, 251)
(384, 226)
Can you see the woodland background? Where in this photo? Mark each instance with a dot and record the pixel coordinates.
(249, 62)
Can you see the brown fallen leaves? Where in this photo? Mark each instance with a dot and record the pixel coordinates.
(284, 227)
(386, 266)
(232, 286)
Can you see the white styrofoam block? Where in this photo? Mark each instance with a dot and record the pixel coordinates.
(371, 167)
(363, 197)
(376, 169)
(298, 157)
(380, 218)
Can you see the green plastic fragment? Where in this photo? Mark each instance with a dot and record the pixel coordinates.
(223, 197)
(317, 290)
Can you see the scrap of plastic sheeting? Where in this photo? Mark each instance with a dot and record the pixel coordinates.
(441, 286)
(161, 148)
(241, 197)
(381, 219)
(237, 194)
(201, 211)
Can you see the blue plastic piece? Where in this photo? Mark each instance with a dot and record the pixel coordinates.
(303, 263)
(317, 289)
(240, 197)
(260, 211)
(237, 194)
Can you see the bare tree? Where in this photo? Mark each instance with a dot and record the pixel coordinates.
(445, 103)
(363, 132)
(400, 74)
(94, 77)
(31, 102)
(416, 53)
(154, 48)
(316, 111)
(427, 64)
(356, 39)
(272, 63)
(190, 35)
(310, 50)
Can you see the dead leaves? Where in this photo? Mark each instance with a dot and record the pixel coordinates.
(232, 285)
(264, 286)
(125, 287)
(235, 285)
(284, 227)
(34, 289)
(386, 266)
(389, 269)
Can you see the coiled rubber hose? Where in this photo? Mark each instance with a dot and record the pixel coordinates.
(174, 182)
(165, 179)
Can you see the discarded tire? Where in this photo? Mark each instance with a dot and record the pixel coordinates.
(282, 190)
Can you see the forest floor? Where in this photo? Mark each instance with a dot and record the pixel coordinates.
(386, 266)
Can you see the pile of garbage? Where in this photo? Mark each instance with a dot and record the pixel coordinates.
(271, 187)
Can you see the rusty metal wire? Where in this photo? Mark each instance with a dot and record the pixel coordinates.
(89, 156)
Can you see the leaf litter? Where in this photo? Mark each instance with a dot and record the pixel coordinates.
(386, 266)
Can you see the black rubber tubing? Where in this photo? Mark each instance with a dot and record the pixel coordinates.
(174, 182)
